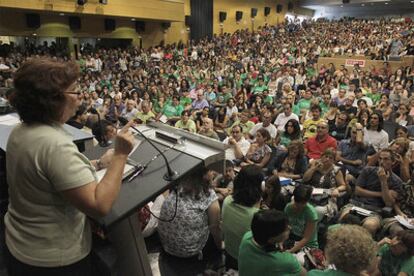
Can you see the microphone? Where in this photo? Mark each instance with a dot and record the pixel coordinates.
(170, 175)
(103, 143)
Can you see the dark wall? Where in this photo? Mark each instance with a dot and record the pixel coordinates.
(202, 19)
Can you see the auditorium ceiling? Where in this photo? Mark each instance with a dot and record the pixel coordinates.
(359, 8)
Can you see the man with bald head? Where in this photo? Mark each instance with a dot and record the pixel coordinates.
(316, 145)
(145, 114)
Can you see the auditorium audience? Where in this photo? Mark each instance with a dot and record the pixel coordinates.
(231, 87)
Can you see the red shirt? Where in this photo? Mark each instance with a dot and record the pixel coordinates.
(316, 147)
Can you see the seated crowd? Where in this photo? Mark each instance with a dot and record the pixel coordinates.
(308, 147)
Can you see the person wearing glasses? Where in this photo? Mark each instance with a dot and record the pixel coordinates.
(52, 186)
(238, 144)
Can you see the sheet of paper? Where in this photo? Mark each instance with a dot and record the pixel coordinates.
(9, 120)
(405, 222)
(100, 174)
(163, 119)
(317, 191)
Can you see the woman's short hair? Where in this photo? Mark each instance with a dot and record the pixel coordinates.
(99, 126)
(195, 184)
(247, 186)
(400, 127)
(265, 134)
(404, 143)
(350, 248)
(40, 84)
(267, 224)
(329, 152)
(297, 144)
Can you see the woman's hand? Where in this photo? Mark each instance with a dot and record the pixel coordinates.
(124, 141)
(106, 158)
(335, 193)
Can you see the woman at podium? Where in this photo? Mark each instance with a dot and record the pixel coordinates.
(52, 186)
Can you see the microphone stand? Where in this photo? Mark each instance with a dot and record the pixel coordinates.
(170, 175)
(103, 143)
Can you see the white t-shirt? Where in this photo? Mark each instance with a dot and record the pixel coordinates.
(282, 119)
(271, 128)
(379, 140)
(243, 144)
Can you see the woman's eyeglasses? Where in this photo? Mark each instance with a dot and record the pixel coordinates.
(73, 92)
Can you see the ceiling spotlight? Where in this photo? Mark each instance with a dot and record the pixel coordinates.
(61, 14)
(133, 19)
(386, 3)
(82, 2)
(362, 5)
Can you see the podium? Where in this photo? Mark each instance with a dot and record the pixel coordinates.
(186, 153)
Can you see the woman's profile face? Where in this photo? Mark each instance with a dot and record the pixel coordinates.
(259, 138)
(401, 133)
(72, 101)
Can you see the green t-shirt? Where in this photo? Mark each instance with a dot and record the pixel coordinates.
(190, 125)
(253, 260)
(298, 222)
(302, 104)
(259, 89)
(246, 126)
(328, 272)
(392, 265)
(184, 101)
(145, 117)
(236, 222)
(170, 110)
(374, 97)
(324, 108)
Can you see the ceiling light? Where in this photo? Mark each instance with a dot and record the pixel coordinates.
(133, 19)
(363, 5)
(342, 6)
(61, 14)
(386, 3)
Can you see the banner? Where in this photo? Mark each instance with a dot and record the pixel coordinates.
(352, 62)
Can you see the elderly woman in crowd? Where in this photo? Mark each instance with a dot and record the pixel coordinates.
(351, 250)
(291, 164)
(325, 175)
